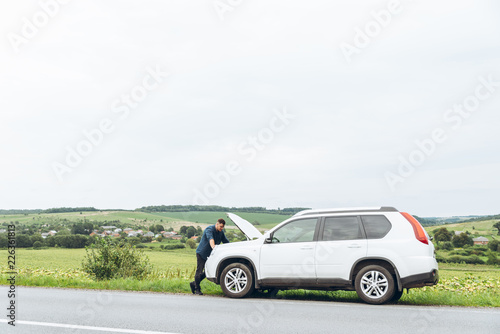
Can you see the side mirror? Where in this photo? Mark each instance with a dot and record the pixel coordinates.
(268, 240)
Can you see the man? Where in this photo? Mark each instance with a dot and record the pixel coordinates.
(213, 235)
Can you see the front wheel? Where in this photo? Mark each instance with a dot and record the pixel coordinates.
(375, 284)
(237, 280)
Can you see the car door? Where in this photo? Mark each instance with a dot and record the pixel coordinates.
(290, 255)
(341, 242)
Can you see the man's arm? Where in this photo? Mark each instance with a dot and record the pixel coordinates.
(210, 237)
(224, 239)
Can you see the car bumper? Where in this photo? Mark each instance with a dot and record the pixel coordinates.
(417, 281)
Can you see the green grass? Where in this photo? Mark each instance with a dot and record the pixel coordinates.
(460, 285)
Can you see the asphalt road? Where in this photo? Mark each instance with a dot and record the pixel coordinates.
(42, 310)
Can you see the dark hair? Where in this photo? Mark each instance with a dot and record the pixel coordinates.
(222, 221)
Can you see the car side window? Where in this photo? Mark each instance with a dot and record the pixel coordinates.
(296, 231)
(376, 226)
(342, 228)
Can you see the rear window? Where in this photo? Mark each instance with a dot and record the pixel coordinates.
(376, 227)
(342, 228)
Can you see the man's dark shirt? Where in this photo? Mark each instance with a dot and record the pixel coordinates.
(204, 248)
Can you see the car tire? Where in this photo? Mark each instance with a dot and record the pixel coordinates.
(237, 280)
(397, 295)
(375, 285)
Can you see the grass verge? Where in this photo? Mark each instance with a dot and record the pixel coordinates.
(460, 285)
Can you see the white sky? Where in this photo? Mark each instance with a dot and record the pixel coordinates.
(352, 120)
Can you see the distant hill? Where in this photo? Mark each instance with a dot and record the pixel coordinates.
(19, 212)
(191, 208)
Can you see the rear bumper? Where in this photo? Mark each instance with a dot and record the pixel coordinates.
(417, 281)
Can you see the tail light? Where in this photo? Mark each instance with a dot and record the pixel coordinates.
(417, 228)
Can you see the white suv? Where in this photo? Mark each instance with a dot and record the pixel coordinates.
(375, 251)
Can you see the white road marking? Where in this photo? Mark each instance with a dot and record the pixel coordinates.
(90, 328)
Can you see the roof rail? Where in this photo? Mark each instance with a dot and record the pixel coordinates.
(346, 210)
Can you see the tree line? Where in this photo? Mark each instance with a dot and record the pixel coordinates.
(217, 208)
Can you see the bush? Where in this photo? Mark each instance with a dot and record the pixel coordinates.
(106, 260)
(462, 240)
(493, 245)
(174, 246)
(191, 243)
(37, 244)
(492, 258)
(446, 246)
(460, 259)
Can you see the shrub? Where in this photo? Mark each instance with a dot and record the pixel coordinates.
(492, 258)
(174, 246)
(460, 259)
(106, 260)
(37, 244)
(446, 246)
(493, 245)
(191, 243)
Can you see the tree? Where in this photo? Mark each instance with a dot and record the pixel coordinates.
(191, 231)
(4, 242)
(497, 226)
(36, 237)
(461, 240)
(37, 245)
(88, 228)
(78, 229)
(493, 245)
(23, 240)
(442, 234)
(183, 230)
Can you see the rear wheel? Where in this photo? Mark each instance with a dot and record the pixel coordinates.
(397, 295)
(237, 280)
(375, 284)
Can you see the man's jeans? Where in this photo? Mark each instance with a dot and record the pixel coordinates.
(200, 271)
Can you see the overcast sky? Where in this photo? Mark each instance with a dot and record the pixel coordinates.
(122, 104)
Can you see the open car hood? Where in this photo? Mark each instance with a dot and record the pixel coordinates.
(246, 227)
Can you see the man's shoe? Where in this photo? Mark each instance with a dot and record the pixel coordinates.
(198, 292)
(192, 286)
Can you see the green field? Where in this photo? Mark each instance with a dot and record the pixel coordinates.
(476, 229)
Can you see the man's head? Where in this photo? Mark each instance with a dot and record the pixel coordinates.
(219, 226)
